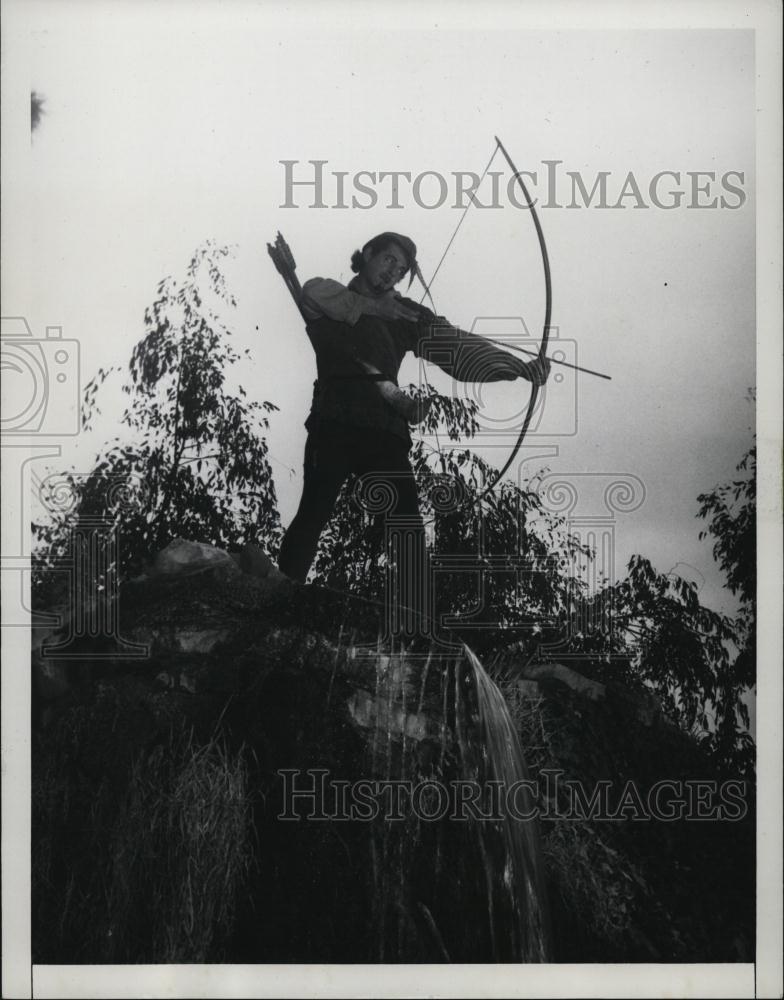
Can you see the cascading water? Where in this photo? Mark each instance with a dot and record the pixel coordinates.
(463, 891)
(523, 875)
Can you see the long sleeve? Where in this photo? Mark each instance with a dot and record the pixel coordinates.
(346, 339)
(327, 297)
(465, 356)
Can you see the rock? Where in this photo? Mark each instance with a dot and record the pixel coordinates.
(254, 561)
(182, 558)
(390, 717)
(641, 705)
(565, 675)
(528, 689)
(51, 678)
(182, 639)
(162, 785)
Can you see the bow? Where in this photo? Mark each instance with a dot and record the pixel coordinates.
(548, 308)
(542, 354)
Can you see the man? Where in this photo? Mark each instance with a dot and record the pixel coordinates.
(359, 419)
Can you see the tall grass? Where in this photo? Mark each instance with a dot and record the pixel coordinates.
(148, 872)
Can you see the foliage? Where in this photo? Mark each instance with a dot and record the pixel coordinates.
(731, 510)
(195, 465)
(731, 513)
(510, 574)
(629, 890)
(647, 630)
(148, 863)
(524, 553)
(686, 653)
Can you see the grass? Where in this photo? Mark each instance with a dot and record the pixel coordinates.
(146, 872)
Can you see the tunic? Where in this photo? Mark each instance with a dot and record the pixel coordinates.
(341, 333)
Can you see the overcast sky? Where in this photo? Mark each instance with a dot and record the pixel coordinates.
(165, 125)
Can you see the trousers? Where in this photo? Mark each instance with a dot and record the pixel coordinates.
(333, 452)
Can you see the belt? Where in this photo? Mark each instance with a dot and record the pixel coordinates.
(359, 376)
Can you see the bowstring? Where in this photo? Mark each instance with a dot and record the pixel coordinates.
(460, 222)
(428, 285)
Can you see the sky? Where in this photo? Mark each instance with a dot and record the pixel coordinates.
(166, 123)
(163, 129)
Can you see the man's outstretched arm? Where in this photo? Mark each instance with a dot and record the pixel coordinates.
(470, 358)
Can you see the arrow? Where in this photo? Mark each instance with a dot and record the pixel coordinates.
(555, 361)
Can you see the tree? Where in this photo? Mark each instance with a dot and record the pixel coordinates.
(523, 552)
(195, 463)
(699, 663)
(731, 513)
(647, 630)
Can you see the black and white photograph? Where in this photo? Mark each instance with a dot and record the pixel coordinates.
(391, 448)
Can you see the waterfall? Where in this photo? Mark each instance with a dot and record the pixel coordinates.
(523, 873)
(461, 889)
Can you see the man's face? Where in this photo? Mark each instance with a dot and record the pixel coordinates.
(384, 269)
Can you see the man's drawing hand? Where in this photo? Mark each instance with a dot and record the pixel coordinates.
(389, 307)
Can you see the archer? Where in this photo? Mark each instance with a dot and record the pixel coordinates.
(359, 418)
